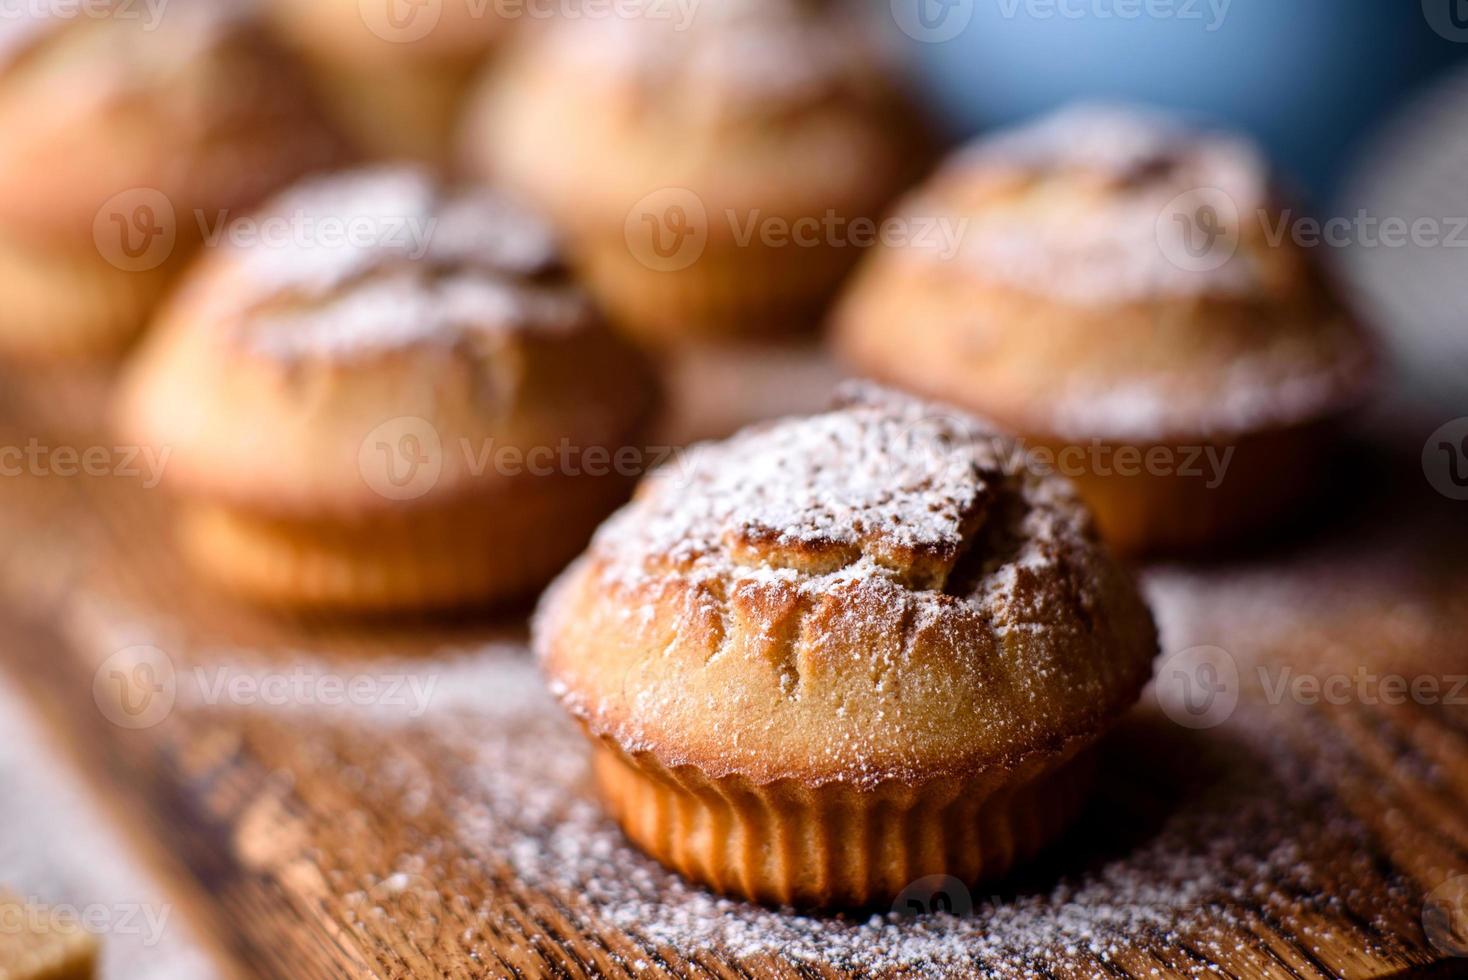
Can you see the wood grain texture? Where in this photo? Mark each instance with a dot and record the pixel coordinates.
(284, 820)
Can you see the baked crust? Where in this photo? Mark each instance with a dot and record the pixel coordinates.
(201, 106)
(126, 140)
(437, 316)
(708, 174)
(787, 107)
(1071, 310)
(863, 597)
(394, 75)
(449, 35)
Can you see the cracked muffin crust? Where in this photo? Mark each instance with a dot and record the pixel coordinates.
(1118, 283)
(351, 398)
(835, 654)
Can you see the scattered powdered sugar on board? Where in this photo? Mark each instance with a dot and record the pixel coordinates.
(1220, 833)
(1248, 833)
(1201, 846)
(57, 849)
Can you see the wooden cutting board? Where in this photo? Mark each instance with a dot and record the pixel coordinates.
(448, 829)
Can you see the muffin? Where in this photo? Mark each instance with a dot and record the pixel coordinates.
(394, 73)
(413, 408)
(126, 142)
(1124, 293)
(845, 652)
(715, 176)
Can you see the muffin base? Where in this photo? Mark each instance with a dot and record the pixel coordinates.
(61, 306)
(395, 111)
(730, 291)
(838, 845)
(488, 550)
(1268, 477)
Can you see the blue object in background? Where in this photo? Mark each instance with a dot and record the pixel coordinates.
(1308, 78)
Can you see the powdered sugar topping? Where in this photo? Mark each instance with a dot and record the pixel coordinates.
(384, 258)
(890, 484)
(1086, 244)
(399, 310)
(911, 499)
(759, 54)
(1125, 143)
(352, 224)
(1249, 393)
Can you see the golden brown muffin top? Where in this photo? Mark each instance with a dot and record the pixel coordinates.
(775, 103)
(191, 99)
(725, 62)
(374, 299)
(381, 259)
(445, 33)
(864, 595)
(1069, 206)
(1110, 273)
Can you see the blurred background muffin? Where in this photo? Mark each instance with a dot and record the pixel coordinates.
(129, 134)
(715, 176)
(419, 411)
(1358, 103)
(393, 73)
(1117, 294)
